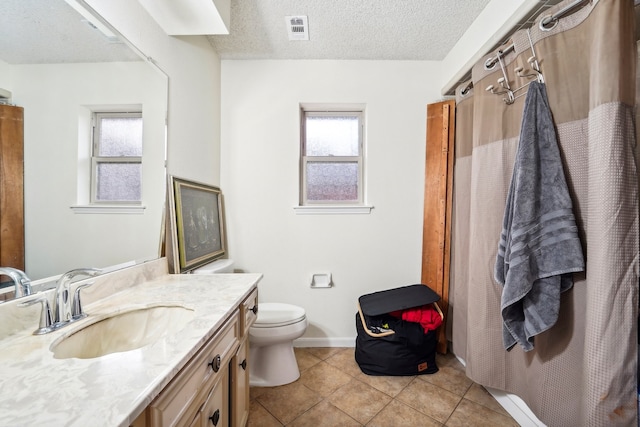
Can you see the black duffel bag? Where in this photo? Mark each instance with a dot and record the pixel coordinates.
(386, 345)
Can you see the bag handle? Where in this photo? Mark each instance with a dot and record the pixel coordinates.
(435, 304)
(369, 331)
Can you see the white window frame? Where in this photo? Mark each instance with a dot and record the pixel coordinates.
(97, 160)
(304, 160)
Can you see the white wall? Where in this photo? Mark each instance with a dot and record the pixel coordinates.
(260, 149)
(56, 238)
(193, 69)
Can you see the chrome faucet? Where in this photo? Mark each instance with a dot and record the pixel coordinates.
(20, 280)
(62, 301)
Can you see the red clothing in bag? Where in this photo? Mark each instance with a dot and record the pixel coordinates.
(426, 315)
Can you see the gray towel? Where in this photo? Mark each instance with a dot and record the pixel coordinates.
(539, 246)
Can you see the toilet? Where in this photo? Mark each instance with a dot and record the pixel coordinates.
(273, 361)
(271, 356)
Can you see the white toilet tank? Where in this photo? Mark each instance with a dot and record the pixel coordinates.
(216, 267)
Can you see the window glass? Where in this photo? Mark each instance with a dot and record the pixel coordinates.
(332, 181)
(120, 136)
(332, 135)
(119, 181)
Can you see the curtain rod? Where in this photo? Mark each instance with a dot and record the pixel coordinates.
(546, 24)
(568, 9)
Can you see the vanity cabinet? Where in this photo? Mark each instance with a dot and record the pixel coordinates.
(213, 387)
(201, 384)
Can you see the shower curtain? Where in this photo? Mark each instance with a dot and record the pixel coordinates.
(582, 372)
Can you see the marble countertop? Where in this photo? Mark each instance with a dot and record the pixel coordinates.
(37, 389)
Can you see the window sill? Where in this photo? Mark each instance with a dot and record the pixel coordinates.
(108, 209)
(333, 209)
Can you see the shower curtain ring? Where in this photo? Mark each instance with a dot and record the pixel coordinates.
(548, 23)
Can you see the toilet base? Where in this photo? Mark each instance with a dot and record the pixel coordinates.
(272, 365)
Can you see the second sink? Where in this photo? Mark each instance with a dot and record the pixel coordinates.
(124, 331)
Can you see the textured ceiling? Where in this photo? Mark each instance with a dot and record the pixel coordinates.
(347, 29)
(51, 31)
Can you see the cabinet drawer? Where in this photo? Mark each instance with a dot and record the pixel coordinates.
(201, 372)
(249, 311)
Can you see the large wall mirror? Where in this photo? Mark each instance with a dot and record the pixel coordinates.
(60, 68)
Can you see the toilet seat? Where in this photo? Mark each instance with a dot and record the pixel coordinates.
(274, 314)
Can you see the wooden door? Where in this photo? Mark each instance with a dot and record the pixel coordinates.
(11, 186)
(438, 189)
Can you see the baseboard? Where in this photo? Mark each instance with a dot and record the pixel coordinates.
(325, 342)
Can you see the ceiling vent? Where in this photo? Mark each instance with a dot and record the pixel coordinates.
(297, 27)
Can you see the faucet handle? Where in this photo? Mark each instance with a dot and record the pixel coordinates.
(76, 307)
(46, 319)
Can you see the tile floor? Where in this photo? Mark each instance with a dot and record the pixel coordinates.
(332, 392)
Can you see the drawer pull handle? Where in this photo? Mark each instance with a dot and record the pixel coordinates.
(244, 364)
(215, 417)
(255, 309)
(215, 363)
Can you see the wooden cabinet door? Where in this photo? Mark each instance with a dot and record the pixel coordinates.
(240, 386)
(11, 186)
(215, 412)
(438, 189)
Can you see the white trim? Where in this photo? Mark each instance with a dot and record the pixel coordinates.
(325, 342)
(516, 407)
(108, 209)
(327, 210)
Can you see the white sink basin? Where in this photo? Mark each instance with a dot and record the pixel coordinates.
(122, 332)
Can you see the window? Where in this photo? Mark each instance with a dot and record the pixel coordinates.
(332, 158)
(116, 160)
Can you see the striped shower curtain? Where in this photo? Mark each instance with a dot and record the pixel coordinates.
(582, 372)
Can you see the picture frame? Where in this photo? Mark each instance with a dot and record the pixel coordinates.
(198, 228)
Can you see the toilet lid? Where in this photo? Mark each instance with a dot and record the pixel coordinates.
(273, 314)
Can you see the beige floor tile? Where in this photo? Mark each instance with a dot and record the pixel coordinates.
(289, 401)
(472, 414)
(324, 352)
(324, 414)
(399, 414)
(332, 391)
(429, 399)
(255, 392)
(449, 378)
(324, 378)
(450, 360)
(359, 400)
(345, 361)
(478, 394)
(391, 386)
(305, 359)
(260, 417)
